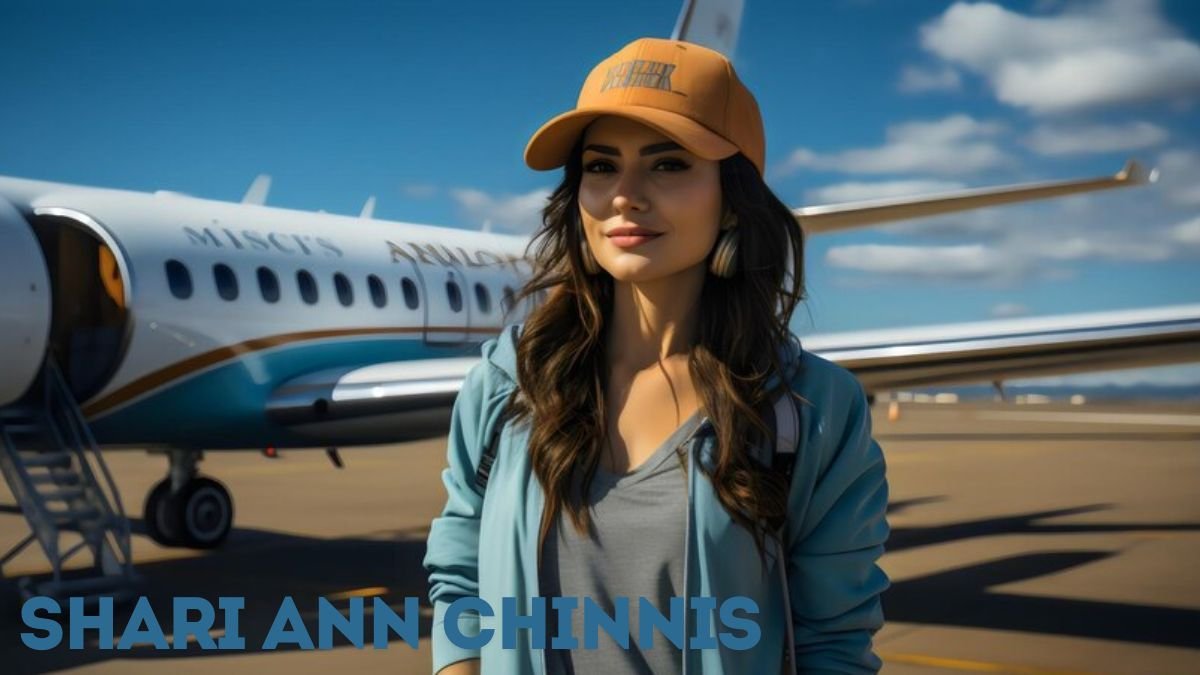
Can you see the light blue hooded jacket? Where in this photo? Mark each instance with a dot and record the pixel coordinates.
(486, 545)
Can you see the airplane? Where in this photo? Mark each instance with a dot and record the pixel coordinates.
(183, 325)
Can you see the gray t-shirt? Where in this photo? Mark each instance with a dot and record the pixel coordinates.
(637, 551)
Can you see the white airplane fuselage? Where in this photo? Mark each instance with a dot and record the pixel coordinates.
(175, 319)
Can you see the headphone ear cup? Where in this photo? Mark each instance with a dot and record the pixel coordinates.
(724, 259)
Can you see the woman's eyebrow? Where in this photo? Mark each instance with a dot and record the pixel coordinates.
(648, 150)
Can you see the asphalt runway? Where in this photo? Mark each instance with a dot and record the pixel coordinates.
(1032, 539)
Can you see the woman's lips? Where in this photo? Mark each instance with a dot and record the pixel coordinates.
(631, 240)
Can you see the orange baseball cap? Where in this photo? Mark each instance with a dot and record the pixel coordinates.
(687, 92)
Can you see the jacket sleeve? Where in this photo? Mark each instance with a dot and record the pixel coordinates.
(452, 549)
(833, 579)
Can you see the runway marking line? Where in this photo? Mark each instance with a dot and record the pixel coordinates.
(973, 666)
(368, 592)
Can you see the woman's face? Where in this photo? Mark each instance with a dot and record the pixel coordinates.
(633, 176)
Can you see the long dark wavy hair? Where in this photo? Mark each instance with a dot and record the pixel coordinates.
(562, 365)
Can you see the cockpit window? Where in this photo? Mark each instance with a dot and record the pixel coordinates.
(179, 279)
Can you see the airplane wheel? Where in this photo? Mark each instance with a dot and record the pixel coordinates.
(205, 513)
(161, 516)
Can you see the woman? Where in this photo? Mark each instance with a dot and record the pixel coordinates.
(630, 408)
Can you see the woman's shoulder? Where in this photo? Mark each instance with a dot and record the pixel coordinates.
(497, 365)
(830, 392)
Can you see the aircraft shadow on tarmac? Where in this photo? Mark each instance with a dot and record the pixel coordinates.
(265, 566)
(961, 597)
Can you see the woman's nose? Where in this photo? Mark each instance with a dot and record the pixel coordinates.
(629, 192)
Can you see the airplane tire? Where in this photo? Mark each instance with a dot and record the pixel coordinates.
(160, 516)
(205, 511)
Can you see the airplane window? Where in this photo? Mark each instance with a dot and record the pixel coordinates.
(507, 302)
(227, 286)
(179, 280)
(378, 293)
(268, 283)
(411, 299)
(454, 295)
(344, 291)
(482, 300)
(308, 286)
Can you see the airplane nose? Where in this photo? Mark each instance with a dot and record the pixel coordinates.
(24, 304)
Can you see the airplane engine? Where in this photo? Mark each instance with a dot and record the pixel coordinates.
(24, 304)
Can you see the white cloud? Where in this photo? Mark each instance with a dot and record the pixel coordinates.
(1027, 243)
(952, 145)
(1187, 232)
(1008, 309)
(855, 191)
(914, 79)
(510, 213)
(1094, 55)
(1102, 245)
(1180, 179)
(1050, 139)
(965, 262)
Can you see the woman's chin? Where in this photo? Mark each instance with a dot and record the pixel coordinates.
(636, 269)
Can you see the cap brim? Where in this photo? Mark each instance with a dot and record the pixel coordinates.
(551, 145)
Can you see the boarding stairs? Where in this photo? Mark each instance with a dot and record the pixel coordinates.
(64, 489)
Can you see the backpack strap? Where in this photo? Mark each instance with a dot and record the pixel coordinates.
(787, 434)
(489, 453)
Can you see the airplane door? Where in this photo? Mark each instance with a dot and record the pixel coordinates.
(447, 310)
(24, 304)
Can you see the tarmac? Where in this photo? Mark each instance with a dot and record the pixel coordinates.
(1032, 539)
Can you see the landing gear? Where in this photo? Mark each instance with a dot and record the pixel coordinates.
(186, 510)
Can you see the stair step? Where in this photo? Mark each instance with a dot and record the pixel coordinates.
(75, 515)
(62, 494)
(63, 478)
(46, 459)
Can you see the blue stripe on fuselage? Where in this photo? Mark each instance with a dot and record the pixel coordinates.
(225, 407)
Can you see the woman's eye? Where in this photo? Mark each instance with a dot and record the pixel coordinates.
(673, 165)
(598, 166)
(604, 166)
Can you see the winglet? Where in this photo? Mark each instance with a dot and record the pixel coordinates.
(257, 194)
(1136, 173)
(368, 209)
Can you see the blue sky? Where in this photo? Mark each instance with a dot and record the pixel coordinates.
(428, 106)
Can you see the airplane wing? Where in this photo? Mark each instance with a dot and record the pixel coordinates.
(829, 218)
(367, 402)
(397, 400)
(991, 351)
